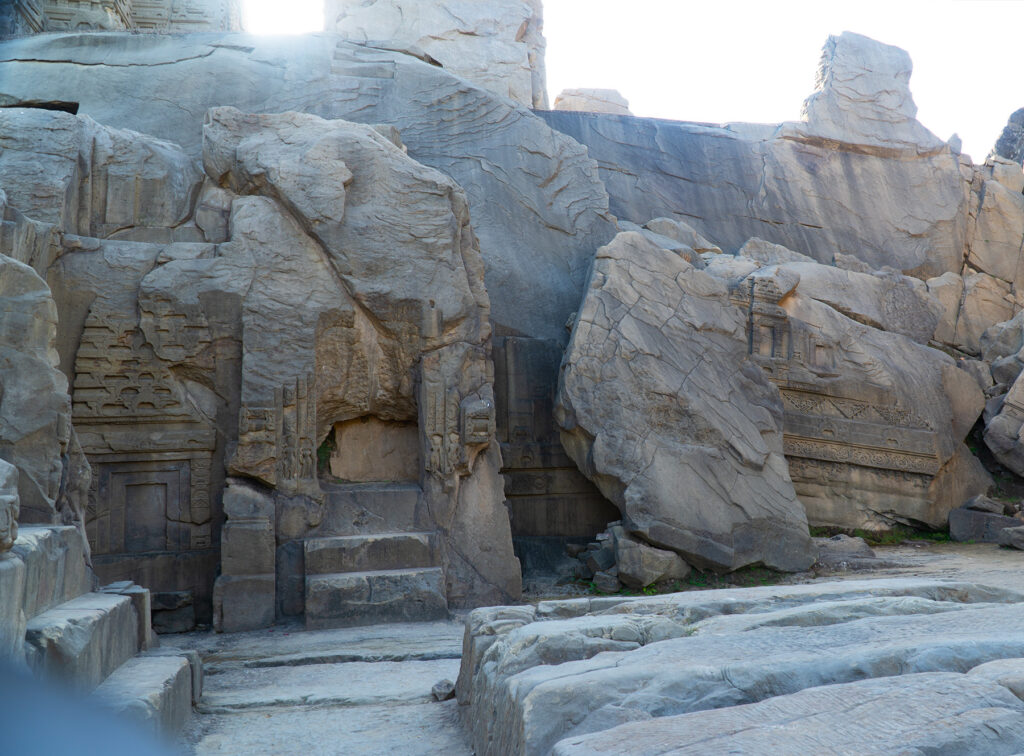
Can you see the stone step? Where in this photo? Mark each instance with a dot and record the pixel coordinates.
(363, 553)
(55, 568)
(370, 508)
(82, 641)
(364, 598)
(155, 691)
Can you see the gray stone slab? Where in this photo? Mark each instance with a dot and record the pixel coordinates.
(351, 684)
(84, 640)
(385, 551)
(287, 646)
(364, 598)
(243, 602)
(524, 700)
(55, 568)
(980, 527)
(155, 691)
(911, 714)
(425, 729)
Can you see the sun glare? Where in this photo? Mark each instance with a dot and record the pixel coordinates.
(276, 17)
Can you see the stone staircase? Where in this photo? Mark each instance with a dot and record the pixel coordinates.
(97, 642)
(371, 562)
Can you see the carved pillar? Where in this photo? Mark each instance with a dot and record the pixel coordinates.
(244, 594)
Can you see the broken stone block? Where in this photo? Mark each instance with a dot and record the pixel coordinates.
(1012, 537)
(606, 582)
(641, 565)
(656, 346)
(982, 503)
(979, 527)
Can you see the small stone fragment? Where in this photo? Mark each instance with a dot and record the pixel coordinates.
(443, 691)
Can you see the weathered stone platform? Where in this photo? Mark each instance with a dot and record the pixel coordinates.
(561, 676)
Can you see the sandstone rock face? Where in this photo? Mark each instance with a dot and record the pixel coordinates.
(497, 45)
(873, 421)
(659, 406)
(35, 422)
(608, 101)
(863, 97)
(340, 280)
(538, 207)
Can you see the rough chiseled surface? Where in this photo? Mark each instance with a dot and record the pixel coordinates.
(535, 676)
(659, 406)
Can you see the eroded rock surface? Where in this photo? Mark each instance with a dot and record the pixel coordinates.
(537, 204)
(659, 406)
(608, 101)
(498, 45)
(922, 713)
(536, 676)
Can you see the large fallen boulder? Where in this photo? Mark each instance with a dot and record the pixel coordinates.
(873, 419)
(660, 407)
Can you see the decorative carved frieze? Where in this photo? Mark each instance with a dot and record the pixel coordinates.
(820, 425)
(151, 452)
(87, 15)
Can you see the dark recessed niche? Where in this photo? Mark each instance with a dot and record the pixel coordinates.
(66, 107)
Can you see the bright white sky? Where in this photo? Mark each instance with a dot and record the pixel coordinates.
(755, 60)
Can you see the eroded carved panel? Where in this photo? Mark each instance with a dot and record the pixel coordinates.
(278, 444)
(152, 452)
(828, 436)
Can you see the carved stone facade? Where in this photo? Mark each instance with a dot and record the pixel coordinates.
(839, 434)
(545, 491)
(21, 17)
(152, 456)
(166, 16)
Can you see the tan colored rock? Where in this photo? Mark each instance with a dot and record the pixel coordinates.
(360, 291)
(807, 185)
(999, 234)
(496, 45)
(93, 180)
(608, 101)
(767, 253)
(367, 449)
(658, 406)
(886, 301)
(683, 233)
(948, 290)
(1006, 172)
(538, 206)
(862, 97)
(986, 301)
(640, 565)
